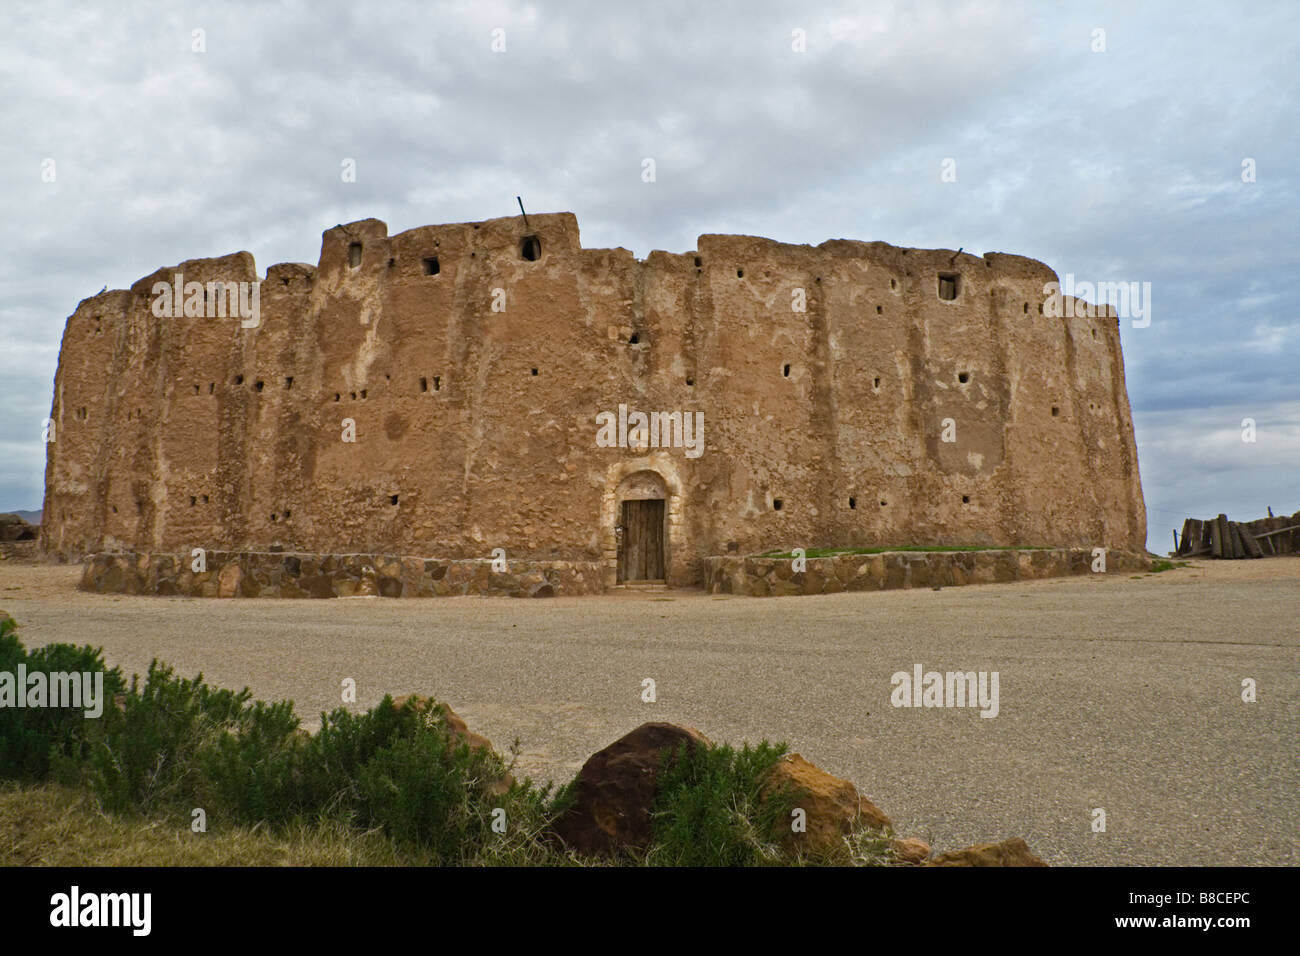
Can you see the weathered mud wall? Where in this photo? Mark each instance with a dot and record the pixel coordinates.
(474, 365)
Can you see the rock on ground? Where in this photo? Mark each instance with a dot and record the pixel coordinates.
(833, 806)
(1012, 852)
(911, 850)
(615, 791)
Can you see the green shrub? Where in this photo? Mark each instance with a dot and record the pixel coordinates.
(36, 740)
(326, 775)
(419, 792)
(179, 743)
(250, 769)
(708, 811)
(425, 786)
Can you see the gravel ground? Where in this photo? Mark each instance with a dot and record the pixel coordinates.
(1116, 692)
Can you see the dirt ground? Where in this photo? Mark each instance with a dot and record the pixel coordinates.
(1115, 691)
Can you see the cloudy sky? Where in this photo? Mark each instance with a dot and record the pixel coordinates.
(1116, 156)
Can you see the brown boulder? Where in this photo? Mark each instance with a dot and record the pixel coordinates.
(911, 850)
(832, 806)
(1012, 852)
(615, 791)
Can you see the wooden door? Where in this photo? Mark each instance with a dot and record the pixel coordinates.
(641, 546)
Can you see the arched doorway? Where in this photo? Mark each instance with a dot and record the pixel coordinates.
(642, 523)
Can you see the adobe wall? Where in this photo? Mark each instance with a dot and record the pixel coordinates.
(477, 429)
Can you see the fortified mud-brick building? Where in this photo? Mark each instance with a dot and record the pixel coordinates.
(851, 394)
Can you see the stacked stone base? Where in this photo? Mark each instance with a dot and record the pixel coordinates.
(231, 574)
(292, 575)
(20, 552)
(768, 577)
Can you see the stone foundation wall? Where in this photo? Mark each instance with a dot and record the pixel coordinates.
(289, 575)
(20, 552)
(766, 577)
(278, 574)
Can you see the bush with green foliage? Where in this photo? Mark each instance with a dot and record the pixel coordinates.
(174, 744)
(708, 811)
(34, 741)
(180, 744)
